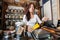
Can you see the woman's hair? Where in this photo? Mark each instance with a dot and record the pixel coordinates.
(28, 13)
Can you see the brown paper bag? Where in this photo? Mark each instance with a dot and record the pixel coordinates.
(20, 30)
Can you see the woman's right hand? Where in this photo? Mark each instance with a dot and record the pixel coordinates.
(30, 29)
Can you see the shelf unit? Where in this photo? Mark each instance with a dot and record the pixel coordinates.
(12, 16)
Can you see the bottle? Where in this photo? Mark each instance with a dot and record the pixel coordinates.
(58, 25)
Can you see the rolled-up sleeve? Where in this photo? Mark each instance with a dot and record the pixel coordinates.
(38, 19)
(24, 19)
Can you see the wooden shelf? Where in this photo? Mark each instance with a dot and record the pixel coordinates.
(20, 3)
(8, 1)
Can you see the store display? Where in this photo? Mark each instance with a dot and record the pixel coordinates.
(12, 16)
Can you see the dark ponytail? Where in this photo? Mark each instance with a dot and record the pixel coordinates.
(28, 16)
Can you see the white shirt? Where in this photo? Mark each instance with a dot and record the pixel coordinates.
(32, 21)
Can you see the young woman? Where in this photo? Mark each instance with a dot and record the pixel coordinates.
(30, 18)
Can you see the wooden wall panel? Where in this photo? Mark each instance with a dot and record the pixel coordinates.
(9, 1)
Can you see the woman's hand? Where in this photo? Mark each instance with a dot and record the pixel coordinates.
(45, 19)
(30, 29)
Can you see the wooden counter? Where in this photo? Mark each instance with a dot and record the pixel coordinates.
(55, 32)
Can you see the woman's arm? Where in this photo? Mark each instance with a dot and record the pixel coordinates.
(24, 18)
(38, 19)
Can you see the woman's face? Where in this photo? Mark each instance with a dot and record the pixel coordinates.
(31, 8)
